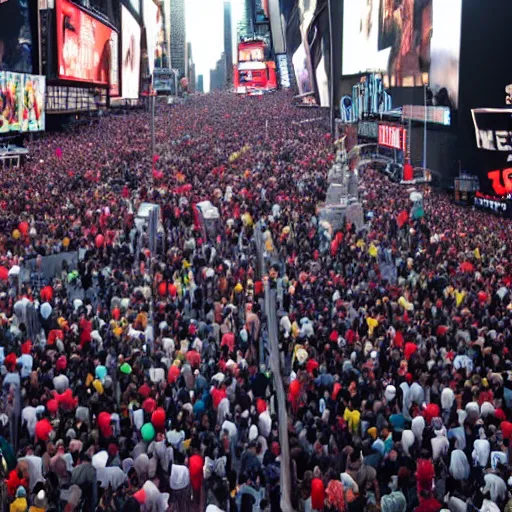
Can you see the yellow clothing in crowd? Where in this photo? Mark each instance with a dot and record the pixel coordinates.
(353, 420)
(19, 505)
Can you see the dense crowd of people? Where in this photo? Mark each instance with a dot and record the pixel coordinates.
(145, 385)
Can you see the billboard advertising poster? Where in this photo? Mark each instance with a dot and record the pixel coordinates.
(15, 37)
(33, 103)
(163, 80)
(393, 136)
(411, 41)
(493, 131)
(130, 56)
(87, 50)
(151, 16)
(302, 74)
(284, 72)
(11, 85)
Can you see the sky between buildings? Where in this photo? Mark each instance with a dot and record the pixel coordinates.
(205, 30)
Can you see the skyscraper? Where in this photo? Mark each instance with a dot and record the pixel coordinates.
(191, 69)
(178, 45)
(200, 84)
(218, 75)
(245, 28)
(228, 43)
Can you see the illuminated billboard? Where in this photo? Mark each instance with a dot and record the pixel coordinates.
(493, 130)
(11, 85)
(152, 22)
(392, 136)
(22, 102)
(33, 103)
(87, 50)
(249, 52)
(412, 42)
(130, 56)
(15, 37)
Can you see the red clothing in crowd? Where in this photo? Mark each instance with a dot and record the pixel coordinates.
(217, 396)
(196, 464)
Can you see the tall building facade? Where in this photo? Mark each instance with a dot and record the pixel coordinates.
(200, 84)
(261, 21)
(245, 27)
(178, 44)
(228, 43)
(191, 69)
(218, 75)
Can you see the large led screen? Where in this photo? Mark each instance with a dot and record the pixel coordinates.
(22, 102)
(15, 36)
(130, 58)
(87, 50)
(33, 103)
(11, 90)
(411, 41)
(151, 15)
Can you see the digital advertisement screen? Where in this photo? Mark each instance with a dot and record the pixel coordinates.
(163, 80)
(11, 85)
(302, 74)
(151, 15)
(22, 102)
(15, 37)
(250, 53)
(493, 132)
(412, 42)
(392, 136)
(87, 50)
(33, 103)
(130, 57)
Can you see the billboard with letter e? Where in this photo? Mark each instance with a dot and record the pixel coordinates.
(493, 130)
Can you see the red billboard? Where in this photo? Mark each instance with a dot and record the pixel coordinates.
(251, 51)
(87, 50)
(393, 136)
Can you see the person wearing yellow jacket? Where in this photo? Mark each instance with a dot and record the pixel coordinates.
(20, 503)
(353, 420)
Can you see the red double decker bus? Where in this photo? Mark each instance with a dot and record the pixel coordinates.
(255, 72)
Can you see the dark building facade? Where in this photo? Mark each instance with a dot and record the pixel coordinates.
(228, 43)
(178, 45)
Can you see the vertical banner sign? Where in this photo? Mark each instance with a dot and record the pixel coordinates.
(393, 136)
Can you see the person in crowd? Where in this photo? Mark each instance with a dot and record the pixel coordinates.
(134, 375)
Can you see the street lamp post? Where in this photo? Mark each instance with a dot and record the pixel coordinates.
(331, 67)
(152, 100)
